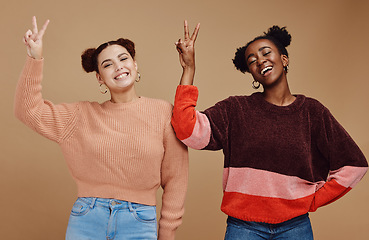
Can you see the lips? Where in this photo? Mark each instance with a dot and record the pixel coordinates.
(122, 75)
(265, 70)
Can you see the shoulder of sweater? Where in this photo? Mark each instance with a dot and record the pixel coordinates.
(229, 103)
(88, 104)
(317, 110)
(152, 102)
(313, 103)
(159, 104)
(235, 98)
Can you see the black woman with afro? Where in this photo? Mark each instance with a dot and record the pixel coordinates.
(285, 155)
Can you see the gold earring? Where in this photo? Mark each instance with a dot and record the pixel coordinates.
(103, 91)
(138, 77)
(255, 84)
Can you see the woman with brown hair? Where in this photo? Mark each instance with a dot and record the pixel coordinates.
(119, 152)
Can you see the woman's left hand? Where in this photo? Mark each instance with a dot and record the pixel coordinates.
(186, 47)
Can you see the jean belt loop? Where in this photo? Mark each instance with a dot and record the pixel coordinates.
(130, 206)
(93, 202)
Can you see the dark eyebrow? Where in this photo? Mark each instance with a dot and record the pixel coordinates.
(106, 60)
(260, 49)
(122, 54)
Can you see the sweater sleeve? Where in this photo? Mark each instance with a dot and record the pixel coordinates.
(55, 122)
(198, 130)
(174, 178)
(347, 163)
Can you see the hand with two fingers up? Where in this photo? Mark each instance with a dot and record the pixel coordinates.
(186, 50)
(33, 39)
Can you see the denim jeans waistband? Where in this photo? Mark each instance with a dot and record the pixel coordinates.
(288, 222)
(110, 203)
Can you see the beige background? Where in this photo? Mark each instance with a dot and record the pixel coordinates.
(328, 61)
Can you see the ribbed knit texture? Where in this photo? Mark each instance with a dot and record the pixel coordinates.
(123, 151)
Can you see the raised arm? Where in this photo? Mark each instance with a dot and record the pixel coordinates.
(51, 121)
(191, 126)
(186, 50)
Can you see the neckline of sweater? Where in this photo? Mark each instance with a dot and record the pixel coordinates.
(110, 105)
(267, 106)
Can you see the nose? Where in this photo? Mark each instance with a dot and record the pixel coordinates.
(260, 61)
(118, 67)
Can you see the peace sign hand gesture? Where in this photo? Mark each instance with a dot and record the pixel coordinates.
(186, 47)
(33, 39)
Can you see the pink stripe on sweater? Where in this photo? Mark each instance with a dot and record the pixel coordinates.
(348, 176)
(267, 184)
(200, 136)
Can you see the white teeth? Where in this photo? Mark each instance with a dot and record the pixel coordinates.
(122, 75)
(265, 70)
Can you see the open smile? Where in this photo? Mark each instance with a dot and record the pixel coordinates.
(266, 70)
(120, 76)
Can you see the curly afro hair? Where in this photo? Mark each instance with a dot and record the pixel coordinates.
(89, 56)
(279, 36)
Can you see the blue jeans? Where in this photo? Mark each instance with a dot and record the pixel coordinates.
(101, 218)
(298, 228)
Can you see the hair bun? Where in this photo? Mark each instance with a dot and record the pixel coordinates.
(87, 58)
(127, 44)
(280, 34)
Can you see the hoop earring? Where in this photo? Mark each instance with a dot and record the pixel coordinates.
(138, 77)
(103, 91)
(286, 69)
(255, 84)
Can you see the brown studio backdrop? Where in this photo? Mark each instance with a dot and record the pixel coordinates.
(328, 58)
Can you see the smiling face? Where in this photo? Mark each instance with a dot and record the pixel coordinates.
(117, 69)
(265, 63)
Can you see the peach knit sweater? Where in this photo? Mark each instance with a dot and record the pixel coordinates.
(124, 151)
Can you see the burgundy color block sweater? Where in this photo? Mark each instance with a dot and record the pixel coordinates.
(279, 161)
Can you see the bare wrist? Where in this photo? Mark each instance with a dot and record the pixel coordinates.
(187, 77)
(189, 69)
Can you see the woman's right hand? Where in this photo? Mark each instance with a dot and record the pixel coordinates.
(33, 39)
(186, 47)
(186, 50)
